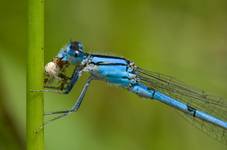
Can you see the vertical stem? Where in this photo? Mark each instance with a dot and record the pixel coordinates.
(35, 62)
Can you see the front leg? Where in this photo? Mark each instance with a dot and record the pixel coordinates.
(66, 85)
(75, 76)
(57, 89)
(75, 107)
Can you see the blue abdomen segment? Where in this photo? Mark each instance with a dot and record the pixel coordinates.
(189, 110)
(144, 91)
(211, 119)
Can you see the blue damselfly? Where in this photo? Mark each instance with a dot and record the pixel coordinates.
(206, 111)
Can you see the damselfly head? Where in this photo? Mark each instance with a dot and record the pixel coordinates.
(72, 53)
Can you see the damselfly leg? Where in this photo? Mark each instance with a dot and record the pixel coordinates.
(74, 108)
(78, 102)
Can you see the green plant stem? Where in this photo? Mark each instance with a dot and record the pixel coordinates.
(35, 62)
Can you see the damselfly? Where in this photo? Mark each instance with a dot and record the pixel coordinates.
(206, 111)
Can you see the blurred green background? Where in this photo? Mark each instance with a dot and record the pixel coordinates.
(185, 39)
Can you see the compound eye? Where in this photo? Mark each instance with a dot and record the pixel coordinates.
(76, 53)
(75, 45)
(72, 47)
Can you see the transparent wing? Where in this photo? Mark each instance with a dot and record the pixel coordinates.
(196, 98)
(220, 134)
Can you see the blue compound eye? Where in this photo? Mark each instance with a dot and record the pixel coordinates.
(75, 45)
(77, 53)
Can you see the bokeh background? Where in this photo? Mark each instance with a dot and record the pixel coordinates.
(182, 38)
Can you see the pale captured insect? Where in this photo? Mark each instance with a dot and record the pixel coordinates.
(207, 112)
